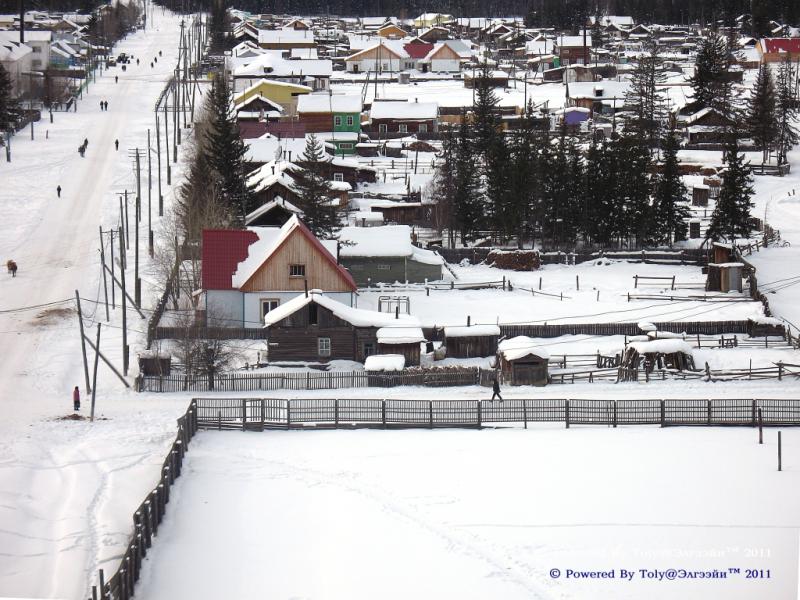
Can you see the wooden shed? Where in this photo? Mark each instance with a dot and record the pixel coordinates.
(476, 341)
(725, 277)
(401, 340)
(522, 362)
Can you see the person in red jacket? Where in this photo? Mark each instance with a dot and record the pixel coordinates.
(76, 398)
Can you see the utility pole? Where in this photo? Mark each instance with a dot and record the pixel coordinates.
(149, 197)
(124, 314)
(158, 155)
(83, 342)
(166, 139)
(137, 283)
(105, 283)
(94, 375)
(113, 278)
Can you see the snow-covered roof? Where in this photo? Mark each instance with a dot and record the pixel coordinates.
(392, 109)
(265, 208)
(269, 238)
(661, 346)
(13, 51)
(519, 347)
(329, 103)
(385, 241)
(400, 335)
(284, 36)
(539, 47)
(573, 41)
(454, 331)
(385, 362)
(358, 317)
(269, 64)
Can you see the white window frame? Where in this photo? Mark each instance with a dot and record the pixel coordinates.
(338, 176)
(323, 346)
(337, 121)
(423, 128)
(297, 270)
(402, 128)
(350, 120)
(268, 302)
(382, 128)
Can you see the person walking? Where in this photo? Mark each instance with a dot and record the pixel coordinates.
(58, 191)
(101, 105)
(116, 78)
(106, 108)
(85, 143)
(76, 398)
(496, 389)
(116, 145)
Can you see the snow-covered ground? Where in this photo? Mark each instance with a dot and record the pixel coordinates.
(479, 514)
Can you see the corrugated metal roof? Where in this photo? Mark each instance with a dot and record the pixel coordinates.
(774, 45)
(418, 50)
(223, 250)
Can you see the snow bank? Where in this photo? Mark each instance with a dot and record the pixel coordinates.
(455, 331)
(385, 362)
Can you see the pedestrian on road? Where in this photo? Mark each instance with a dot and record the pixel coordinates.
(137, 62)
(116, 78)
(58, 191)
(81, 150)
(85, 143)
(106, 105)
(496, 389)
(159, 53)
(101, 105)
(116, 145)
(151, 65)
(76, 398)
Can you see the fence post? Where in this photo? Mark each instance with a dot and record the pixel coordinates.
(753, 413)
(760, 427)
(102, 585)
(615, 413)
(262, 409)
(219, 420)
(525, 412)
(780, 465)
(430, 414)
(663, 412)
(336, 413)
(480, 415)
(566, 412)
(288, 413)
(780, 369)
(383, 413)
(708, 411)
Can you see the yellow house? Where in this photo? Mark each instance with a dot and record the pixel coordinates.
(279, 92)
(390, 30)
(426, 20)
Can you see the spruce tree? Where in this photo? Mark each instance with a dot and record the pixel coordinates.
(226, 150)
(762, 122)
(731, 217)
(468, 210)
(599, 221)
(645, 98)
(669, 194)
(315, 195)
(9, 107)
(786, 108)
(486, 122)
(710, 81)
(634, 190)
(498, 192)
(444, 185)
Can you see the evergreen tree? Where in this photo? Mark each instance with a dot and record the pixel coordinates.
(9, 107)
(645, 97)
(486, 122)
(634, 190)
(670, 194)
(562, 176)
(498, 193)
(786, 108)
(599, 222)
(218, 26)
(314, 192)
(710, 81)
(762, 122)
(731, 217)
(226, 150)
(468, 210)
(444, 185)
(759, 18)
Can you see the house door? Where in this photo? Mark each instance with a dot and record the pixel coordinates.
(355, 67)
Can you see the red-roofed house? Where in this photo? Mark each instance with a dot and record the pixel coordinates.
(247, 273)
(778, 49)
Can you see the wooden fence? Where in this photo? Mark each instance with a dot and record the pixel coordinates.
(307, 380)
(679, 257)
(689, 327)
(148, 516)
(266, 413)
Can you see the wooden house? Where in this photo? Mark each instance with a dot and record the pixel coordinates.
(573, 49)
(396, 117)
(283, 94)
(385, 56)
(286, 39)
(522, 362)
(314, 327)
(404, 341)
(445, 57)
(775, 50)
(434, 34)
(272, 214)
(276, 181)
(336, 116)
(474, 341)
(392, 31)
(248, 273)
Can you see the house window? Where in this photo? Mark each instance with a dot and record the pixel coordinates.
(313, 314)
(385, 66)
(423, 128)
(350, 121)
(37, 49)
(383, 267)
(338, 176)
(297, 270)
(346, 146)
(369, 349)
(337, 121)
(382, 128)
(324, 346)
(268, 304)
(403, 128)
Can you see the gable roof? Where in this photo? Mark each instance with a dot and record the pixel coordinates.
(329, 103)
(268, 245)
(270, 206)
(418, 49)
(357, 317)
(395, 47)
(223, 250)
(394, 109)
(775, 45)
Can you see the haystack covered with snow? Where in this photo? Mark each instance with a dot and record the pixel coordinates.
(385, 362)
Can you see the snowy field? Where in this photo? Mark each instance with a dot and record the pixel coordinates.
(478, 514)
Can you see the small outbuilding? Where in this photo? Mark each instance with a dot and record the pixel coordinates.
(475, 341)
(404, 341)
(659, 354)
(522, 362)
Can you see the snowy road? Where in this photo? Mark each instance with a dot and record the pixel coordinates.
(67, 488)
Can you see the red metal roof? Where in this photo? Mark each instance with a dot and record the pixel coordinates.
(774, 45)
(223, 250)
(418, 50)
